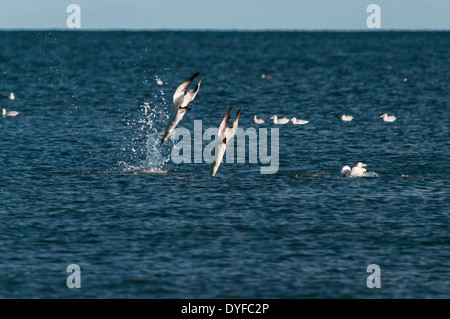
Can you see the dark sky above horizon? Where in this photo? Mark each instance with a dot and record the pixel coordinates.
(226, 14)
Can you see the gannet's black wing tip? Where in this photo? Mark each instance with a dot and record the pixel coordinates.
(193, 76)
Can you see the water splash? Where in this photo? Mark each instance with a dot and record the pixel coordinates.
(144, 151)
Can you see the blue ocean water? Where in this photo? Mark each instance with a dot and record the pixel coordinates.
(82, 183)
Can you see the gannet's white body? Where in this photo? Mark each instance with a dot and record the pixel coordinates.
(224, 134)
(358, 170)
(180, 105)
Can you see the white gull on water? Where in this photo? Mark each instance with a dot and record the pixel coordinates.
(9, 113)
(388, 118)
(257, 120)
(295, 121)
(346, 118)
(276, 120)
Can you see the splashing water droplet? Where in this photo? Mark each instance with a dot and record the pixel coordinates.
(145, 150)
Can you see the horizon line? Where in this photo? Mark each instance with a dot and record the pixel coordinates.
(218, 30)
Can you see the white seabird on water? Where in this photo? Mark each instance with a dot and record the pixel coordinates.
(159, 82)
(11, 96)
(224, 134)
(346, 118)
(9, 113)
(276, 120)
(295, 121)
(257, 120)
(388, 118)
(358, 170)
(181, 104)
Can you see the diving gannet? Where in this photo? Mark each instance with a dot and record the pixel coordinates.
(224, 134)
(180, 105)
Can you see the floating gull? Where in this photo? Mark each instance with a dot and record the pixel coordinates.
(159, 82)
(387, 118)
(266, 76)
(257, 120)
(279, 121)
(346, 118)
(9, 113)
(224, 134)
(295, 121)
(180, 105)
(10, 96)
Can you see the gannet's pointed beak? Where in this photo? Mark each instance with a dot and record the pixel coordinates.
(382, 115)
(364, 165)
(163, 140)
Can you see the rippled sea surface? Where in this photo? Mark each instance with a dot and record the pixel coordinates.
(82, 180)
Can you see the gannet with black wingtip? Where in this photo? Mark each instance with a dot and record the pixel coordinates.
(358, 170)
(257, 120)
(9, 113)
(224, 134)
(181, 104)
(276, 120)
(346, 171)
(295, 121)
(388, 118)
(346, 118)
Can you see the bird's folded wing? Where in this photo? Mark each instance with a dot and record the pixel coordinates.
(190, 96)
(224, 123)
(230, 131)
(183, 87)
